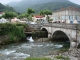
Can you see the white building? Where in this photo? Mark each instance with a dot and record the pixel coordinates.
(69, 14)
(3, 20)
(39, 19)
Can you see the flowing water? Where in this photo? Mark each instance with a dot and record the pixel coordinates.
(20, 51)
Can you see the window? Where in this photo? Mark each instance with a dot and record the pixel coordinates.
(76, 17)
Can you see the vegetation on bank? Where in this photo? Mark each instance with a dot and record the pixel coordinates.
(13, 32)
(61, 57)
(37, 59)
(55, 58)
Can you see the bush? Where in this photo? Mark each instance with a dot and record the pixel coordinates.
(15, 31)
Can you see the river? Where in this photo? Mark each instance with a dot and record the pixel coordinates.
(20, 51)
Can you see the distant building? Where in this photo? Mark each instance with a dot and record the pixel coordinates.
(15, 20)
(39, 19)
(3, 20)
(67, 14)
(1, 13)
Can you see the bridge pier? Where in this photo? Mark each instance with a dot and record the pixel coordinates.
(49, 35)
(73, 45)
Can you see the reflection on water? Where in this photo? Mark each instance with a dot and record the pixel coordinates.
(19, 51)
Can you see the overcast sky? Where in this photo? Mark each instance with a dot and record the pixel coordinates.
(7, 1)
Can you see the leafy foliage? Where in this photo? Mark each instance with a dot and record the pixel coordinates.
(29, 11)
(46, 12)
(15, 31)
(9, 15)
(23, 15)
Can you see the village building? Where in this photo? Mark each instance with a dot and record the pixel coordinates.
(1, 13)
(3, 20)
(15, 20)
(68, 15)
(39, 19)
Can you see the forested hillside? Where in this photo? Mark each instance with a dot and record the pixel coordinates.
(38, 5)
(5, 8)
(54, 6)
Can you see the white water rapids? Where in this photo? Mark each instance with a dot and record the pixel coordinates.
(30, 39)
(20, 51)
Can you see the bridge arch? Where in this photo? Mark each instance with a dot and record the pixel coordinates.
(46, 32)
(60, 35)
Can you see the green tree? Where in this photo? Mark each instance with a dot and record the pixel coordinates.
(29, 12)
(9, 15)
(42, 12)
(23, 15)
(46, 12)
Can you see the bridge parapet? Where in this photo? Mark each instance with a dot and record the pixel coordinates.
(36, 26)
(62, 25)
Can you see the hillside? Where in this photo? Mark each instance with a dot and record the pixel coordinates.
(54, 6)
(5, 8)
(38, 5)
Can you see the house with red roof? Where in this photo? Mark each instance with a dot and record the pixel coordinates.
(39, 19)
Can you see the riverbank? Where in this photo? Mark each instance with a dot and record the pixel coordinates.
(68, 55)
(62, 55)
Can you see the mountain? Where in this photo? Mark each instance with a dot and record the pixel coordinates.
(5, 8)
(38, 5)
(54, 6)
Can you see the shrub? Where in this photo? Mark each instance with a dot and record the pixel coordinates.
(15, 31)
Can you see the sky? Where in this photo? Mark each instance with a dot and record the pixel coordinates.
(75, 1)
(7, 1)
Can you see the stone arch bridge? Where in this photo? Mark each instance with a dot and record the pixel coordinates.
(71, 30)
